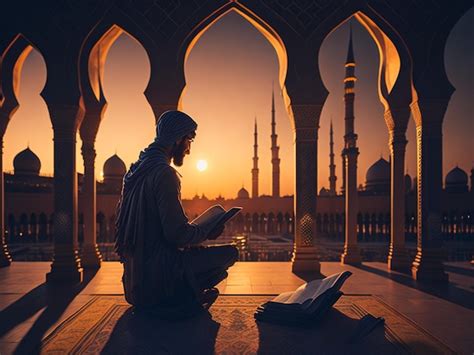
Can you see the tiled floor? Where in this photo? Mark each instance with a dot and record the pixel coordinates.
(30, 310)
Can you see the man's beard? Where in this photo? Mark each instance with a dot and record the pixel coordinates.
(178, 153)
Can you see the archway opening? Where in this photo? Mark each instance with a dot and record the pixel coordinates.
(377, 66)
(229, 73)
(28, 153)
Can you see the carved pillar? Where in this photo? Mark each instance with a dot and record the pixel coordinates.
(66, 266)
(306, 119)
(5, 258)
(397, 256)
(90, 257)
(428, 263)
(351, 253)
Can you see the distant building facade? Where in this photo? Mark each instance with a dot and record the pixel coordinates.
(29, 205)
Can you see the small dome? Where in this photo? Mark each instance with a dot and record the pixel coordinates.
(456, 176)
(379, 171)
(26, 163)
(377, 177)
(456, 181)
(243, 193)
(323, 192)
(114, 167)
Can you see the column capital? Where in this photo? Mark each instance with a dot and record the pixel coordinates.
(306, 115)
(397, 141)
(88, 151)
(90, 123)
(429, 112)
(65, 118)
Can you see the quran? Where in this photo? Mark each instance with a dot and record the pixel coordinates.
(215, 216)
(306, 305)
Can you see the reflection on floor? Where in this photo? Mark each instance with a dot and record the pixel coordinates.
(30, 310)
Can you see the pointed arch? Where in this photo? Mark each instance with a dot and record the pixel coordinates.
(93, 56)
(263, 27)
(12, 60)
(395, 84)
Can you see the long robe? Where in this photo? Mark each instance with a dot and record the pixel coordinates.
(152, 229)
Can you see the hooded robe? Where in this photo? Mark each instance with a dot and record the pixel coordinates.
(152, 228)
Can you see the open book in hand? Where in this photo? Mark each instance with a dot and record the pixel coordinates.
(215, 216)
(306, 304)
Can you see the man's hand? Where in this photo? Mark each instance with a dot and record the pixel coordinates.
(216, 232)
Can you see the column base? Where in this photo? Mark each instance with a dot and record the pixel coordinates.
(66, 266)
(351, 255)
(305, 259)
(398, 259)
(428, 266)
(5, 258)
(91, 257)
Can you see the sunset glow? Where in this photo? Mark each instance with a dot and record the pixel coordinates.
(201, 165)
(229, 75)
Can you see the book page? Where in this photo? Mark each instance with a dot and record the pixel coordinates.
(313, 289)
(283, 297)
(209, 216)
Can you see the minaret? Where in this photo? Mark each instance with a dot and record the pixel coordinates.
(255, 163)
(332, 166)
(275, 149)
(351, 254)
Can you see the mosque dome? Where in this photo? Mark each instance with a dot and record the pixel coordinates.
(377, 178)
(456, 176)
(114, 167)
(456, 180)
(26, 163)
(324, 192)
(243, 193)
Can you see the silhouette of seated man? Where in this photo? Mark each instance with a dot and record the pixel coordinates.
(166, 271)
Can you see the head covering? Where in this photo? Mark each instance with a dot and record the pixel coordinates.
(172, 126)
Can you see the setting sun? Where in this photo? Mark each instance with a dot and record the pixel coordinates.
(201, 165)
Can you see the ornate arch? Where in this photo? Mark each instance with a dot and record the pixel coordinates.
(12, 60)
(395, 84)
(261, 25)
(93, 55)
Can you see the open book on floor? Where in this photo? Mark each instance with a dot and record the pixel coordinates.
(306, 305)
(214, 216)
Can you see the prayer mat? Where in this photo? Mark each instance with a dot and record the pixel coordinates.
(107, 324)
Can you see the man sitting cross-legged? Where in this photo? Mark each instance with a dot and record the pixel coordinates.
(163, 274)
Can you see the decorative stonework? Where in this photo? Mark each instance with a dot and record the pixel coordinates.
(303, 16)
(306, 119)
(167, 17)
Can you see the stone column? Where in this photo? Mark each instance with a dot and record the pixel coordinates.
(428, 263)
(5, 258)
(351, 253)
(66, 266)
(90, 257)
(397, 256)
(306, 119)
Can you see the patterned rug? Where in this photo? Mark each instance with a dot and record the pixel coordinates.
(107, 325)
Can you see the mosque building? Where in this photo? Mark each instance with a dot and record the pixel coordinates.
(29, 196)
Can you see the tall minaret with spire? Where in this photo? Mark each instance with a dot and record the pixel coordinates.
(332, 166)
(255, 163)
(351, 254)
(275, 149)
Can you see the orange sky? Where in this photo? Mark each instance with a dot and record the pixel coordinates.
(229, 76)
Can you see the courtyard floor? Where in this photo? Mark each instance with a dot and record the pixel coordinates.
(29, 310)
